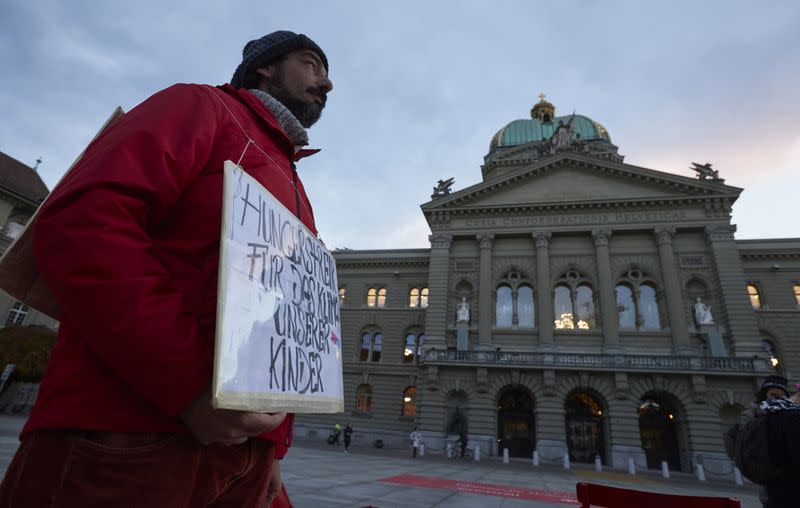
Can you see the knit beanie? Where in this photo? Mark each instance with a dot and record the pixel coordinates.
(774, 382)
(261, 52)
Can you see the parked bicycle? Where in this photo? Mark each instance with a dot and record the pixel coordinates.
(454, 452)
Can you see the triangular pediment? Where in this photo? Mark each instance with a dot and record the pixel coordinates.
(574, 179)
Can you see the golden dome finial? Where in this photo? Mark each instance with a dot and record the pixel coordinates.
(543, 110)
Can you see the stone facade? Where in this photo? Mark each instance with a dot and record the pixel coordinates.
(624, 372)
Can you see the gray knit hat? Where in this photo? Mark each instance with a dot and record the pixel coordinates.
(263, 51)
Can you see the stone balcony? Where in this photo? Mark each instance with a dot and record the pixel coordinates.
(733, 366)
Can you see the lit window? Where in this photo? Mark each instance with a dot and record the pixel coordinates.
(755, 297)
(342, 293)
(797, 293)
(410, 401)
(372, 295)
(364, 399)
(17, 314)
(573, 303)
(381, 297)
(423, 298)
(413, 348)
(413, 298)
(774, 357)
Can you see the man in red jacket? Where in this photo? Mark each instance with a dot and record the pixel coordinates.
(128, 243)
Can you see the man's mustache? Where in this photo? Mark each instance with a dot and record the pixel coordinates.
(319, 92)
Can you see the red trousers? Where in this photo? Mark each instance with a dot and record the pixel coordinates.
(65, 469)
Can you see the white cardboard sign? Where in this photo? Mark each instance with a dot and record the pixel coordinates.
(278, 345)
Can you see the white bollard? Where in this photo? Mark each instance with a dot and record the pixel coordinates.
(701, 473)
(505, 455)
(477, 453)
(566, 460)
(598, 464)
(738, 475)
(535, 458)
(664, 469)
(631, 466)
(421, 450)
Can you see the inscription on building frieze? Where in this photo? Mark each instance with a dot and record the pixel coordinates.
(579, 220)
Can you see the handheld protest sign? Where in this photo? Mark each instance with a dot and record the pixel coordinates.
(278, 321)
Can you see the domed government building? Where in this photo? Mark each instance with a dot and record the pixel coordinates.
(570, 302)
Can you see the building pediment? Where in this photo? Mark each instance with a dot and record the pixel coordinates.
(572, 180)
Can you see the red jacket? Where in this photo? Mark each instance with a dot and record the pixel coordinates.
(129, 245)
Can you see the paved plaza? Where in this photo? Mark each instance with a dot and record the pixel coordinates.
(321, 475)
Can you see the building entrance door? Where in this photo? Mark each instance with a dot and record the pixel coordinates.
(515, 422)
(584, 422)
(658, 430)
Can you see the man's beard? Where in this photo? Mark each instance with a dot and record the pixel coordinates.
(307, 113)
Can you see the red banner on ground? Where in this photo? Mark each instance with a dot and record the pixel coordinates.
(485, 489)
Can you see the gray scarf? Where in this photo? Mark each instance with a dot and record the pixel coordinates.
(291, 126)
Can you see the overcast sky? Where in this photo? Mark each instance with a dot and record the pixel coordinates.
(421, 87)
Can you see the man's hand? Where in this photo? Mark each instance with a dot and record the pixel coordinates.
(211, 425)
(274, 487)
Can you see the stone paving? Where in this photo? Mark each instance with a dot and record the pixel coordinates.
(321, 475)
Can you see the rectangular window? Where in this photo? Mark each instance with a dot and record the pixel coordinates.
(17, 314)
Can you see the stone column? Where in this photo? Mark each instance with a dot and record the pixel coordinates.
(551, 439)
(737, 312)
(544, 290)
(609, 318)
(672, 290)
(436, 317)
(623, 434)
(485, 291)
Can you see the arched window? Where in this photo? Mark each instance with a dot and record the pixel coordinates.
(413, 347)
(504, 307)
(769, 347)
(755, 296)
(573, 302)
(371, 344)
(514, 302)
(797, 294)
(648, 308)
(418, 298)
(626, 307)
(364, 399)
(376, 297)
(410, 401)
(342, 293)
(525, 306)
(17, 314)
(637, 302)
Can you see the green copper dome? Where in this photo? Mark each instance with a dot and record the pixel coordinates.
(542, 126)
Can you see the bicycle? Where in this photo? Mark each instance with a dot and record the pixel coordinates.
(454, 452)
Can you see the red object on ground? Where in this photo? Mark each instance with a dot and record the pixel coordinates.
(486, 489)
(590, 494)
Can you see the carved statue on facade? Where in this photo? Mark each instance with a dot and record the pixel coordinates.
(462, 310)
(702, 313)
(704, 171)
(563, 134)
(443, 188)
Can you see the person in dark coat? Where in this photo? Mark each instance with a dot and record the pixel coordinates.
(348, 435)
